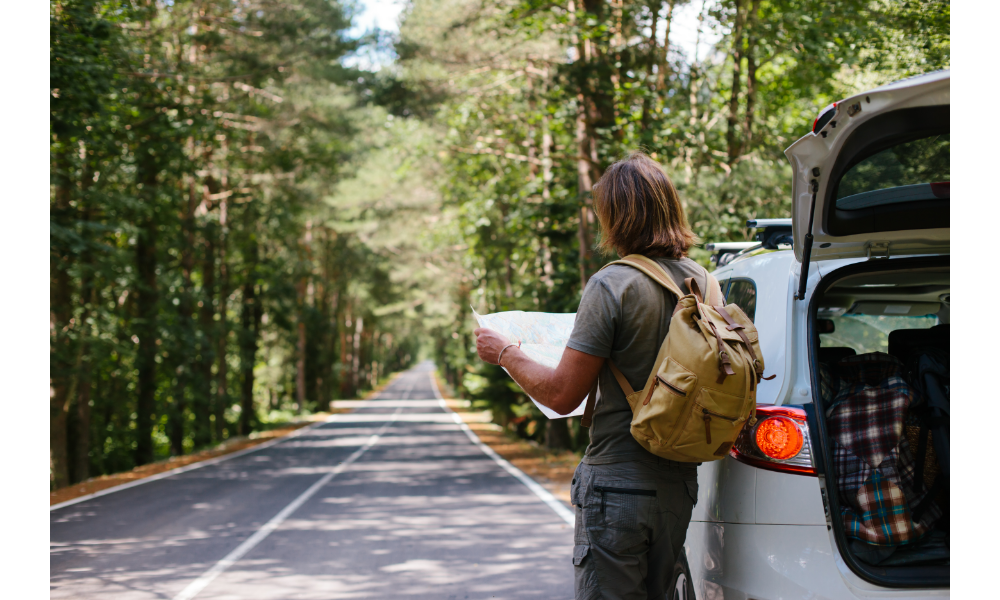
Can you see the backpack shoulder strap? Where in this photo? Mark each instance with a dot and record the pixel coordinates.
(695, 289)
(715, 292)
(626, 386)
(713, 297)
(653, 269)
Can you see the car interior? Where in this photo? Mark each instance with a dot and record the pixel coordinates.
(882, 364)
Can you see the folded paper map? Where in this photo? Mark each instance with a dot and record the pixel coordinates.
(543, 338)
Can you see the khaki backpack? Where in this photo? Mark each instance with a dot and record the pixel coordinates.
(702, 390)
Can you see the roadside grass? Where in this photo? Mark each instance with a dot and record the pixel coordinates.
(552, 469)
(279, 425)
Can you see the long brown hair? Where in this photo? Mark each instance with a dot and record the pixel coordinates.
(639, 210)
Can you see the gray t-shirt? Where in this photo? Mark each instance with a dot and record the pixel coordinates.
(624, 315)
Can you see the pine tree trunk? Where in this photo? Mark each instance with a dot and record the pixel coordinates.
(60, 307)
(359, 325)
(300, 347)
(146, 313)
(251, 315)
(343, 322)
(327, 305)
(584, 187)
(732, 129)
(202, 396)
(185, 314)
(751, 74)
(652, 80)
(81, 465)
(664, 71)
(221, 402)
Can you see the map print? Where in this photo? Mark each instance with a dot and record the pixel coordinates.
(543, 338)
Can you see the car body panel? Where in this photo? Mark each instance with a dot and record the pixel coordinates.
(726, 492)
(821, 149)
(787, 499)
(735, 561)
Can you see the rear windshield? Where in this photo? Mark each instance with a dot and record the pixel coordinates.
(870, 333)
(908, 172)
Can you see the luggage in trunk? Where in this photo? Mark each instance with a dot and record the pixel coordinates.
(883, 501)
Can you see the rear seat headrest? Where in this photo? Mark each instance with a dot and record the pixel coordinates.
(871, 368)
(835, 354)
(903, 342)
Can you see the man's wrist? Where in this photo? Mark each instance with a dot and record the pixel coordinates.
(504, 349)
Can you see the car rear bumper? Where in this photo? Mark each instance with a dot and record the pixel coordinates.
(771, 562)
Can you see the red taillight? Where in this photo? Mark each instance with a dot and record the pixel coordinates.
(778, 441)
(778, 437)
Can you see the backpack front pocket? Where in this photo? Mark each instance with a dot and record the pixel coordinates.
(675, 379)
(713, 423)
(665, 403)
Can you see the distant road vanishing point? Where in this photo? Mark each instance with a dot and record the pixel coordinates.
(396, 499)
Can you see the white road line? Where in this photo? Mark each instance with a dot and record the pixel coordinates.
(198, 465)
(546, 496)
(196, 586)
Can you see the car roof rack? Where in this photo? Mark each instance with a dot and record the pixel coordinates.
(772, 232)
(724, 252)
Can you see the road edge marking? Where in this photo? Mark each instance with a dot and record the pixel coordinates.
(195, 587)
(545, 495)
(191, 467)
(207, 462)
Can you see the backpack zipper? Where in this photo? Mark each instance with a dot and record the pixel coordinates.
(707, 415)
(656, 382)
(673, 388)
(617, 490)
(659, 379)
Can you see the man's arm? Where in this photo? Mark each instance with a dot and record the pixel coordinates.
(561, 389)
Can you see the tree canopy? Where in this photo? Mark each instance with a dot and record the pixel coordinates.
(244, 228)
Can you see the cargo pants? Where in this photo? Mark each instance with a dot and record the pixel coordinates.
(631, 519)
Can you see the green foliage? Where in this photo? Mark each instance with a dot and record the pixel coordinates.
(536, 98)
(203, 283)
(243, 228)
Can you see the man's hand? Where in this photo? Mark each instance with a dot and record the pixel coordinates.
(489, 343)
(561, 389)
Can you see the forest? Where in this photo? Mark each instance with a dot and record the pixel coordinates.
(247, 222)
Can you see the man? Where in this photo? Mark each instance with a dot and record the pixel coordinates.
(632, 507)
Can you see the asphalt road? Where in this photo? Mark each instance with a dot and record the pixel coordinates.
(392, 500)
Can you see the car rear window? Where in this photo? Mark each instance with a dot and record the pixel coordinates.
(723, 284)
(908, 172)
(870, 333)
(743, 293)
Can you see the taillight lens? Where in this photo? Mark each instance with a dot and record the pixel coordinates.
(778, 438)
(779, 441)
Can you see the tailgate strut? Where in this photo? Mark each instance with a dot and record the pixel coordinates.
(808, 242)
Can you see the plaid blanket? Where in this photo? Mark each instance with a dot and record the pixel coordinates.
(874, 464)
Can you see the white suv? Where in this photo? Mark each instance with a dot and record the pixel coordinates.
(870, 228)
